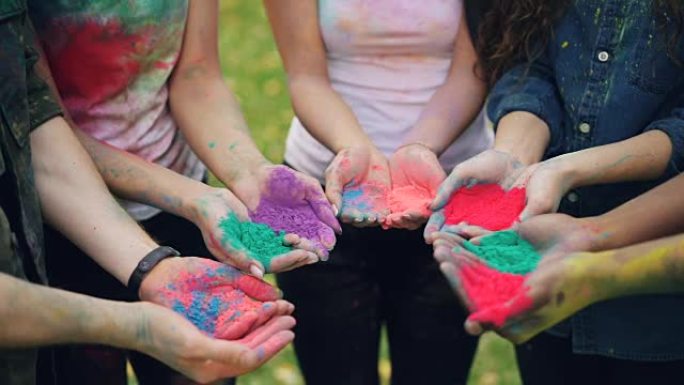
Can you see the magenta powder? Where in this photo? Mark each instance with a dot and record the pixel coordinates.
(286, 208)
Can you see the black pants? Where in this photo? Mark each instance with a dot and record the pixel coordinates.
(70, 269)
(548, 359)
(377, 277)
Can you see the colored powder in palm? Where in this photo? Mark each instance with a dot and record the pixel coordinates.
(354, 198)
(210, 307)
(285, 209)
(410, 198)
(262, 243)
(486, 287)
(506, 252)
(485, 205)
(490, 291)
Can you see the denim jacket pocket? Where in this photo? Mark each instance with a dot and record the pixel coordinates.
(650, 68)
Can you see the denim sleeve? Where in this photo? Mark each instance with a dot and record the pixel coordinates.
(530, 88)
(673, 126)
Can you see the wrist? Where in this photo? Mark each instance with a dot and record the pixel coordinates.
(524, 136)
(420, 145)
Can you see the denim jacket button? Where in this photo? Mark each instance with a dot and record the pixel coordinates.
(603, 56)
(573, 197)
(584, 128)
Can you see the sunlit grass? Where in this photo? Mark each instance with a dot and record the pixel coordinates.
(253, 69)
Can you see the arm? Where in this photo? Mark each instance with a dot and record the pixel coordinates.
(210, 118)
(456, 103)
(321, 110)
(358, 165)
(76, 201)
(33, 315)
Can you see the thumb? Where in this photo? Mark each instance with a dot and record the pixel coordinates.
(452, 183)
(333, 191)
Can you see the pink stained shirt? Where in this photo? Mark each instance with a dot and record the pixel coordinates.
(386, 58)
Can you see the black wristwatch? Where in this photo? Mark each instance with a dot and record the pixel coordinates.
(147, 264)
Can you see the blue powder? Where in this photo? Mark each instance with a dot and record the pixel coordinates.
(354, 199)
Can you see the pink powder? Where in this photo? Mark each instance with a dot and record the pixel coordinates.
(411, 198)
(485, 205)
(489, 292)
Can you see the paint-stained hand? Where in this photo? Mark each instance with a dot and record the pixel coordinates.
(211, 211)
(218, 299)
(416, 175)
(489, 167)
(292, 202)
(357, 183)
(170, 338)
(546, 183)
(555, 291)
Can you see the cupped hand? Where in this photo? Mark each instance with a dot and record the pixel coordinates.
(218, 299)
(416, 175)
(213, 209)
(357, 183)
(167, 336)
(292, 202)
(489, 167)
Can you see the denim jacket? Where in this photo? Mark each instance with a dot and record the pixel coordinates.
(606, 76)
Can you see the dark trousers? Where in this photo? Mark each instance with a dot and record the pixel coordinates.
(374, 278)
(70, 269)
(548, 359)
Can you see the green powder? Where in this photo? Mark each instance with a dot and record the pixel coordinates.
(506, 252)
(259, 240)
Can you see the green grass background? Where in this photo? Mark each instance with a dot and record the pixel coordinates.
(253, 70)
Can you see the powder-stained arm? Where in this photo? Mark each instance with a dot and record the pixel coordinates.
(210, 118)
(33, 315)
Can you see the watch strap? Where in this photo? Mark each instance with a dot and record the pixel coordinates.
(148, 263)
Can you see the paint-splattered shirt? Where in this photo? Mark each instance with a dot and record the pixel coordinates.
(111, 61)
(386, 59)
(606, 76)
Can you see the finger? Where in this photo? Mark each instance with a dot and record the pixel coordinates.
(266, 331)
(234, 325)
(444, 245)
(322, 208)
(452, 183)
(333, 191)
(452, 273)
(273, 345)
(292, 260)
(307, 244)
(327, 240)
(434, 225)
(257, 289)
(474, 233)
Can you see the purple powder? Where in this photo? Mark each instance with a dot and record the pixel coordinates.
(286, 207)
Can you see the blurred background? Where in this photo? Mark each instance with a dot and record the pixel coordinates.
(253, 70)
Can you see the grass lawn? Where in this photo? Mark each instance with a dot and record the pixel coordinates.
(253, 69)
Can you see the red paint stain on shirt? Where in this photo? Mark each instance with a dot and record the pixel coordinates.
(95, 60)
(486, 205)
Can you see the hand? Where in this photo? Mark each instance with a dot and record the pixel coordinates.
(555, 291)
(357, 183)
(416, 176)
(216, 298)
(212, 209)
(292, 202)
(546, 183)
(173, 340)
(491, 166)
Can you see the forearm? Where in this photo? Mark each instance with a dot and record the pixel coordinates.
(655, 214)
(33, 315)
(522, 135)
(76, 201)
(641, 158)
(325, 114)
(655, 267)
(131, 177)
(449, 113)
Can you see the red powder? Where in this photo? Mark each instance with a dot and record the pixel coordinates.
(489, 291)
(410, 198)
(485, 205)
(94, 60)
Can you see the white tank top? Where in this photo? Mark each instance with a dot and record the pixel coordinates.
(386, 58)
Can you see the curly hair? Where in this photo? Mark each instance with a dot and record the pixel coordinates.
(517, 31)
